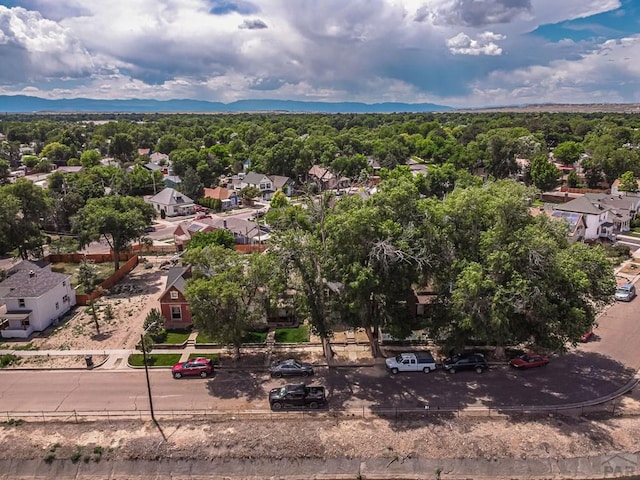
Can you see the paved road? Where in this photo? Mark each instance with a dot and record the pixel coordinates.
(590, 371)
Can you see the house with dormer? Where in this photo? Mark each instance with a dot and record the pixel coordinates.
(595, 216)
(33, 297)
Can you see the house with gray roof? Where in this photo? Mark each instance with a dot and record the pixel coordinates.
(605, 215)
(173, 303)
(32, 297)
(172, 202)
(595, 216)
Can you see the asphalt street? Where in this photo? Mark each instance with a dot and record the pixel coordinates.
(590, 371)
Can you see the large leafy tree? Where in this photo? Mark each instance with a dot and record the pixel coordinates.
(522, 282)
(377, 271)
(228, 292)
(544, 174)
(117, 219)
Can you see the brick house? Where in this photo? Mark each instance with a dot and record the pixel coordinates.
(173, 304)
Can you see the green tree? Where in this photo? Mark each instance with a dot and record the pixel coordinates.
(4, 172)
(221, 237)
(628, 182)
(191, 185)
(523, 283)
(121, 147)
(279, 200)
(543, 173)
(90, 158)
(227, 292)
(568, 153)
(119, 220)
(249, 194)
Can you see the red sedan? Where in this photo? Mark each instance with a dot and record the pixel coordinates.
(587, 336)
(529, 360)
(200, 366)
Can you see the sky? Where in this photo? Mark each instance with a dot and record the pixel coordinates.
(460, 53)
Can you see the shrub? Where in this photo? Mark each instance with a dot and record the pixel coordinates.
(49, 457)
(8, 359)
(75, 456)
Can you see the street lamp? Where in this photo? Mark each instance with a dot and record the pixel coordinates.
(146, 369)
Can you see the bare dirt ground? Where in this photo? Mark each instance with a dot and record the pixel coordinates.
(130, 301)
(545, 437)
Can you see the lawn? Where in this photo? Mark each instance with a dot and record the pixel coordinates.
(299, 334)
(103, 271)
(249, 337)
(175, 337)
(212, 356)
(154, 360)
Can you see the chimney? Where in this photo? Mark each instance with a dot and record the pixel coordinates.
(31, 274)
(224, 223)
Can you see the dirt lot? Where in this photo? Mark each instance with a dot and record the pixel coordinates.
(437, 438)
(130, 302)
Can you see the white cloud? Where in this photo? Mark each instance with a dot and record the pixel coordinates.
(485, 44)
(360, 50)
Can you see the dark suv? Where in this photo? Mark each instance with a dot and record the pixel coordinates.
(466, 361)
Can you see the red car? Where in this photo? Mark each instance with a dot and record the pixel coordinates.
(529, 360)
(200, 366)
(587, 336)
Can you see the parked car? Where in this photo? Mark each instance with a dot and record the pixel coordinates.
(465, 361)
(587, 336)
(299, 395)
(290, 368)
(626, 292)
(411, 362)
(200, 366)
(529, 360)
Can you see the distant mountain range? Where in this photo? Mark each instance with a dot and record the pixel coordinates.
(27, 104)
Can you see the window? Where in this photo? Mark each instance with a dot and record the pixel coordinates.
(174, 295)
(21, 302)
(25, 324)
(176, 313)
(64, 284)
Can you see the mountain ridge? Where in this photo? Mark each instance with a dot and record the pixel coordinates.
(30, 104)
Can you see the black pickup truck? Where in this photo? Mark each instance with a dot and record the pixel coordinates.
(297, 396)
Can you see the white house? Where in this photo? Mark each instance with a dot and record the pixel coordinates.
(595, 216)
(172, 202)
(33, 297)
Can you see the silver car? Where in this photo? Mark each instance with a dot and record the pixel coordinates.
(626, 292)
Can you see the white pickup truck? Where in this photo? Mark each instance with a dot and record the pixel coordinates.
(411, 362)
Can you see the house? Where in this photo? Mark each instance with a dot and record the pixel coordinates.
(228, 198)
(417, 168)
(615, 189)
(260, 181)
(172, 203)
(605, 215)
(283, 184)
(623, 209)
(244, 231)
(576, 224)
(34, 297)
(159, 158)
(323, 177)
(172, 181)
(173, 303)
(595, 216)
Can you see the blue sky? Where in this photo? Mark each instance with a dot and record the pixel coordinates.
(462, 53)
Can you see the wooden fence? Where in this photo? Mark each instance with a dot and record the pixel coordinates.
(84, 299)
(80, 257)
